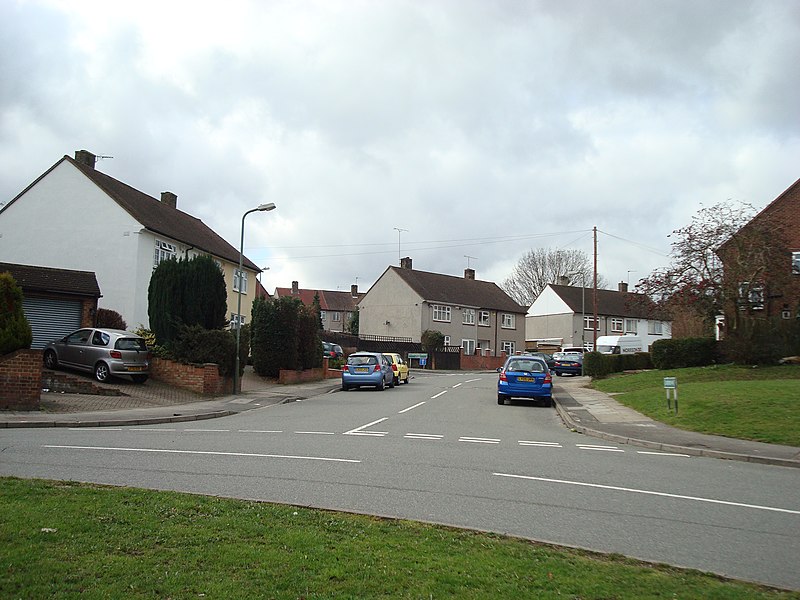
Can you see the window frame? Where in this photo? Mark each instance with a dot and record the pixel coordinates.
(163, 251)
(468, 316)
(587, 323)
(239, 277)
(510, 323)
(655, 328)
(440, 311)
(484, 322)
(635, 329)
(795, 262)
(465, 344)
(509, 347)
(617, 325)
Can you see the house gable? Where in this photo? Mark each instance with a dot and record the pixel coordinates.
(548, 302)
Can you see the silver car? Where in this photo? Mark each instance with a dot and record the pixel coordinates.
(103, 352)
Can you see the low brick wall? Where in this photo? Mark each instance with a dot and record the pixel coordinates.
(201, 379)
(481, 363)
(21, 380)
(291, 376)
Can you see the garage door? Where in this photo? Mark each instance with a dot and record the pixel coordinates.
(51, 319)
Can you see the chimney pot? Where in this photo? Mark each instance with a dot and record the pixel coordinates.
(405, 263)
(169, 199)
(623, 287)
(469, 273)
(562, 280)
(295, 288)
(354, 290)
(85, 157)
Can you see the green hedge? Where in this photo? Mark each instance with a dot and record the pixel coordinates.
(198, 345)
(602, 365)
(684, 352)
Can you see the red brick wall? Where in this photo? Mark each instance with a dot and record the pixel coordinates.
(481, 363)
(202, 379)
(21, 380)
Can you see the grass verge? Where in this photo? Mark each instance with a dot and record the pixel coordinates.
(753, 403)
(65, 540)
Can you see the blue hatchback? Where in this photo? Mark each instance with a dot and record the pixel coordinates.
(367, 368)
(525, 377)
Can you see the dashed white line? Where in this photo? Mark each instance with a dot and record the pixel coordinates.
(405, 410)
(208, 430)
(472, 380)
(663, 454)
(260, 431)
(650, 493)
(94, 429)
(599, 448)
(423, 436)
(540, 444)
(315, 433)
(476, 440)
(457, 385)
(439, 394)
(204, 452)
(360, 430)
(151, 429)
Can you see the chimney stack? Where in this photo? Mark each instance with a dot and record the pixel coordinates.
(562, 280)
(85, 157)
(405, 263)
(623, 287)
(354, 290)
(295, 288)
(469, 273)
(169, 199)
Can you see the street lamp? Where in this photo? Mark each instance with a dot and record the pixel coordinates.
(260, 207)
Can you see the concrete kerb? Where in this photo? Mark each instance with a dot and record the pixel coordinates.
(619, 439)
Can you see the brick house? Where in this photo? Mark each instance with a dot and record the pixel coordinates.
(336, 307)
(766, 284)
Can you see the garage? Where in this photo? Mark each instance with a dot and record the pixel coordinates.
(51, 318)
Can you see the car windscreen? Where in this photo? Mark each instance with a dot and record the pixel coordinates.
(131, 344)
(362, 360)
(529, 366)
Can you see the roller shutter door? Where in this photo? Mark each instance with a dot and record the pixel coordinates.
(51, 319)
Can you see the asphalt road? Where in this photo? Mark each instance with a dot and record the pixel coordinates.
(441, 450)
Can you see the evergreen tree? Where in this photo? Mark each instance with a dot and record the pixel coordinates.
(318, 309)
(15, 331)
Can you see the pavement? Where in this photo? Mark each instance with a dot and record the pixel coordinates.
(582, 409)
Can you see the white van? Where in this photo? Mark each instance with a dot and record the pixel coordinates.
(620, 344)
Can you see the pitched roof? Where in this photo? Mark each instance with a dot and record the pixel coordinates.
(609, 302)
(449, 289)
(162, 218)
(53, 281)
(328, 300)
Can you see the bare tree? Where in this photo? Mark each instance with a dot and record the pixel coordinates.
(540, 266)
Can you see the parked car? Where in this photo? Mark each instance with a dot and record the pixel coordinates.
(525, 377)
(367, 368)
(332, 350)
(399, 367)
(568, 362)
(103, 352)
(548, 358)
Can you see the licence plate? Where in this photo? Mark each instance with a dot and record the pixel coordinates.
(135, 368)
(361, 370)
(525, 379)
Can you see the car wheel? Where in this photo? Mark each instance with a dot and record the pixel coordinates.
(396, 381)
(50, 360)
(501, 399)
(548, 402)
(345, 387)
(101, 372)
(139, 378)
(406, 380)
(381, 386)
(558, 373)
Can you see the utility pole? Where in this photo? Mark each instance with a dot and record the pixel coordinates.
(594, 292)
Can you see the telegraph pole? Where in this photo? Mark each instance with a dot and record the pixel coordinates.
(594, 292)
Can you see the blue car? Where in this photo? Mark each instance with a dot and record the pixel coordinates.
(568, 363)
(525, 377)
(367, 368)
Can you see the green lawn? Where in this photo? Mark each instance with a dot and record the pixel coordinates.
(67, 540)
(754, 403)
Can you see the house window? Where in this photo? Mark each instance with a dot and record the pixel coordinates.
(752, 295)
(617, 325)
(447, 340)
(795, 263)
(237, 320)
(441, 313)
(337, 316)
(164, 251)
(240, 281)
(588, 322)
(654, 327)
(469, 316)
(323, 315)
(508, 321)
(509, 347)
(631, 326)
(483, 318)
(468, 346)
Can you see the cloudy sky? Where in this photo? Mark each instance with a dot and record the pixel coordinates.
(478, 129)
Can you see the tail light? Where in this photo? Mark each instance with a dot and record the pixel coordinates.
(503, 376)
(377, 368)
(115, 354)
(548, 379)
(345, 369)
(394, 367)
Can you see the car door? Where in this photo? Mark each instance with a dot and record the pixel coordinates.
(72, 349)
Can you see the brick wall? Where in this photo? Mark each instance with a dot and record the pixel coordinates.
(481, 363)
(201, 379)
(21, 380)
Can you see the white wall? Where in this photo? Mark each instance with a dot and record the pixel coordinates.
(391, 299)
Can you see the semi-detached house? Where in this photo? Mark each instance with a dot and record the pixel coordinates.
(476, 315)
(76, 217)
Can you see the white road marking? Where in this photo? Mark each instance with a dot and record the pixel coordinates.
(540, 444)
(423, 436)
(663, 453)
(151, 429)
(360, 430)
(439, 394)
(475, 440)
(457, 385)
(259, 431)
(315, 433)
(209, 430)
(598, 448)
(472, 380)
(95, 429)
(411, 407)
(204, 452)
(650, 493)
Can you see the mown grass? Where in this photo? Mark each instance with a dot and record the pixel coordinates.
(754, 403)
(67, 540)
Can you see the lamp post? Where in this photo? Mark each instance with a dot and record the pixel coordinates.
(583, 311)
(260, 207)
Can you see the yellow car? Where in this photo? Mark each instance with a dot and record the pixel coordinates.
(399, 367)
